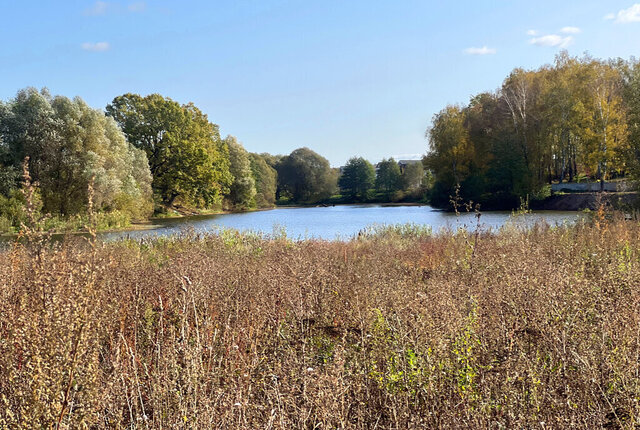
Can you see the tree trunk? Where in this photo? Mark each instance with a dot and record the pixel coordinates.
(171, 199)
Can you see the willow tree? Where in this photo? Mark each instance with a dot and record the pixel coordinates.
(68, 143)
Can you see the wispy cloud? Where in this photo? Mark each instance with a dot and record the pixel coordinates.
(609, 16)
(96, 47)
(553, 40)
(625, 16)
(98, 8)
(532, 33)
(415, 156)
(480, 51)
(570, 30)
(103, 8)
(139, 6)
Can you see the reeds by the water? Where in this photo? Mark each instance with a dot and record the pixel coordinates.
(400, 329)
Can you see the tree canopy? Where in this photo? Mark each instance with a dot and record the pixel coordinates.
(305, 176)
(69, 144)
(357, 179)
(243, 188)
(266, 179)
(571, 119)
(187, 157)
(388, 177)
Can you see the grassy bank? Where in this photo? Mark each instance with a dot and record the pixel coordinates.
(105, 221)
(398, 329)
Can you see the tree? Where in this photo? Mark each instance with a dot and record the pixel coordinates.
(272, 160)
(357, 179)
(186, 155)
(631, 94)
(388, 177)
(608, 128)
(305, 176)
(266, 179)
(412, 176)
(243, 187)
(450, 152)
(68, 143)
(564, 101)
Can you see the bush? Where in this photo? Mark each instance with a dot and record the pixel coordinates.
(12, 210)
(6, 225)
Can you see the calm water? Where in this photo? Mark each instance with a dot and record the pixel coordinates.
(339, 222)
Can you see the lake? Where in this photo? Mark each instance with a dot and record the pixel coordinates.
(339, 222)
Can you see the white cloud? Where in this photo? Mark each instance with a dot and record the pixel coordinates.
(570, 30)
(96, 47)
(98, 8)
(532, 33)
(414, 156)
(609, 16)
(480, 51)
(552, 40)
(103, 7)
(629, 15)
(137, 6)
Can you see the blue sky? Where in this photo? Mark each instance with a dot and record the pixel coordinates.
(341, 77)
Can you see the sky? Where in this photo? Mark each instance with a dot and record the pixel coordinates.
(344, 78)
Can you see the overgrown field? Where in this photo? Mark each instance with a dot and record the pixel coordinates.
(399, 329)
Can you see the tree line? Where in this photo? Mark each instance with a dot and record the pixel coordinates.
(578, 119)
(151, 153)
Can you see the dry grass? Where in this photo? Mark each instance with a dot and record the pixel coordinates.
(536, 329)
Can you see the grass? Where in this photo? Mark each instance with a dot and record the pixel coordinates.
(398, 328)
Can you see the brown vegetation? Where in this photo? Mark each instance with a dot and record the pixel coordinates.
(399, 329)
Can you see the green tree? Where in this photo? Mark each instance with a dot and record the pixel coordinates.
(266, 179)
(388, 177)
(186, 155)
(305, 176)
(69, 143)
(450, 152)
(243, 187)
(357, 178)
(272, 160)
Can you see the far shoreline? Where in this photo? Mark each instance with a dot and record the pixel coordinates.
(156, 222)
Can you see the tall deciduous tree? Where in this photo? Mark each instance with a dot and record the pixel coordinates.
(305, 176)
(186, 155)
(608, 126)
(357, 178)
(388, 177)
(632, 102)
(266, 179)
(450, 151)
(243, 188)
